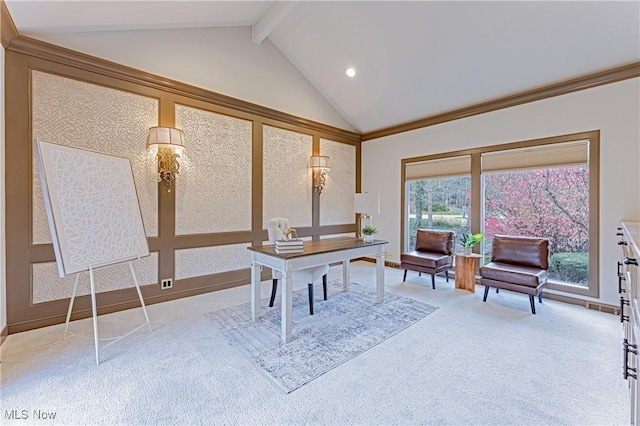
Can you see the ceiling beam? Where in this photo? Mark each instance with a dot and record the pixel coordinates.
(271, 19)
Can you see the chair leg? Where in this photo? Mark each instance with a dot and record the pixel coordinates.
(274, 287)
(446, 275)
(433, 281)
(324, 285)
(486, 293)
(405, 276)
(533, 304)
(540, 297)
(310, 286)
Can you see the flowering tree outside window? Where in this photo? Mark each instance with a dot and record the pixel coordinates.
(550, 203)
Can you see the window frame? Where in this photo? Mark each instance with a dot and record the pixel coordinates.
(593, 136)
(407, 204)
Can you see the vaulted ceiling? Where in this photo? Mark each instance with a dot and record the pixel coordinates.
(412, 59)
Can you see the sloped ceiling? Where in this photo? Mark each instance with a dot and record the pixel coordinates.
(413, 59)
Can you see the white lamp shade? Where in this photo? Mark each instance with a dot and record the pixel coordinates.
(367, 203)
(165, 136)
(319, 162)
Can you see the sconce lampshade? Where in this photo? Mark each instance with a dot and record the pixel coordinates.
(165, 136)
(319, 162)
(367, 203)
(169, 143)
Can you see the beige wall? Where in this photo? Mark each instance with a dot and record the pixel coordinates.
(614, 109)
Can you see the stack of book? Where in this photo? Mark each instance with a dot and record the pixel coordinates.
(289, 246)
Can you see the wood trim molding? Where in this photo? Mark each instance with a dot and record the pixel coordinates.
(54, 312)
(8, 30)
(387, 263)
(589, 134)
(588, 81)
(50, 52)
(82, 307)
(4, 333)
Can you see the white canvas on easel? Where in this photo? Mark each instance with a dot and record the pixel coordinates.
(93, 213)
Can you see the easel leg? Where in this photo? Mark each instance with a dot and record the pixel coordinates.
(144, 308)
(73, 297)
(95, 314)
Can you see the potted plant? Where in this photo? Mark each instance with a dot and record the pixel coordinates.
(369, 231)
(470, 240)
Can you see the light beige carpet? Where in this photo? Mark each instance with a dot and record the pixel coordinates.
(467, 363)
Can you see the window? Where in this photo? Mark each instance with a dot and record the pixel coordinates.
(438, 195)
(550, 203)
(546, 188)
(542, 191)
(444, 204)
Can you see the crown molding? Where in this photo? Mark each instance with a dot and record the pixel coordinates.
(42, 50)
(587, 81)
(13, 41)
(8, 30)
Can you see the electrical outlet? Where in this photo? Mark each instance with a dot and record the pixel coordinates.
(165, 284)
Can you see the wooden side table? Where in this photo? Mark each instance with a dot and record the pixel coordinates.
(466, 267)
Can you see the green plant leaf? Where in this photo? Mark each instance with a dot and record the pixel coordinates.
(470, 240)
(369, 230)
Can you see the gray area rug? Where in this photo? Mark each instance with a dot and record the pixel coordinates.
(342, 327)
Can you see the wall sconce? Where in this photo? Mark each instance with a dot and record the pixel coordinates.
(365, 204)
(170, 144)
(320, 165)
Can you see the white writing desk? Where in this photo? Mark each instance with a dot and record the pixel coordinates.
(315, 253)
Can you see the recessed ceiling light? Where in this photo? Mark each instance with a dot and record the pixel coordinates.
(351, 72)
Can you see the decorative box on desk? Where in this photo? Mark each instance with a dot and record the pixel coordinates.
(289, 246)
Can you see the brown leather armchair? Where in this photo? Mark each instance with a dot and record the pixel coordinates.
(433, 254)
(517, 264)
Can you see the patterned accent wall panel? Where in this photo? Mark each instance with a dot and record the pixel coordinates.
(213, 190)
(47, 286)
(336, 201)
(286, 176)
(97, 118)
(211, 260)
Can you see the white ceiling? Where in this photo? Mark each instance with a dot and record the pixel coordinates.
(413, 59)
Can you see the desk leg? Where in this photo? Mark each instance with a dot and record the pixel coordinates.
(346, 274)
(255, 289)
(380, 273)
(287, 306)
